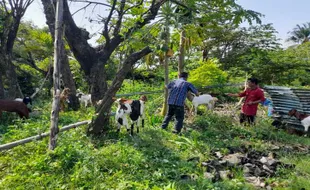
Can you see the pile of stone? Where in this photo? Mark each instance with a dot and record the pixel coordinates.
(256, 165)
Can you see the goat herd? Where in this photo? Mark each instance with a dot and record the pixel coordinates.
(134, 109)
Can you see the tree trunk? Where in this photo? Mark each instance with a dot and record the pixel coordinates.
(58, 44)
(67, 77)
(2, 94)
(181, 51)
(103, 110)
(98, 83)
(1, 87)
(11, 76)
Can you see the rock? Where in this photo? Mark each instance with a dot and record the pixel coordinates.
(274, 147)
(272, 162)
(268, 169)
(248, 169)
(257, 171)
(272, 155)
(208, 175)
(233, 159)
(256, 181)
(215, 165)
(263, 160)
(225, 174)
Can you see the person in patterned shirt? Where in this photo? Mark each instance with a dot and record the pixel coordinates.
(177, 94)
(253, 96)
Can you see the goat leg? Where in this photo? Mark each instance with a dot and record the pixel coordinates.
(131, 131)
(142, 123)
(118, 128)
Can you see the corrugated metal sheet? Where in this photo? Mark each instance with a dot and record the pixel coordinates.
(284, 99)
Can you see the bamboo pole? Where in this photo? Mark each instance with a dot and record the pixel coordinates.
(40, 136)
(56, 75)
(166, 66)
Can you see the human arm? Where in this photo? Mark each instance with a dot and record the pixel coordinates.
(170, 85)
(193, 89)
(260, 98)
(253, 102)
(232, 95)
(242, 94)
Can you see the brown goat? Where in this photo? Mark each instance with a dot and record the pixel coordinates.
(63, 98)
(14, 106)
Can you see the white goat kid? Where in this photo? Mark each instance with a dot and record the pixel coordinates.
(204, 99)
(84, 98)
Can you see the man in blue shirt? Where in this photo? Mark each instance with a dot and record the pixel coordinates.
(177, 94)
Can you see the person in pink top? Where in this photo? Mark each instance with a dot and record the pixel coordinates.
(253, 96)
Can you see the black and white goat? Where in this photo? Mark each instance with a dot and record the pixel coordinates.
(132, 108)
(26, 100)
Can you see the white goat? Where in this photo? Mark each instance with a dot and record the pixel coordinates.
(306, 123)
(84, 98)
(304, 118)
(204, 99)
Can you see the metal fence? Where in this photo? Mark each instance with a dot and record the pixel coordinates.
(284, 99)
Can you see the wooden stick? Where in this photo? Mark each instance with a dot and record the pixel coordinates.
(40, 136)
(58, 44)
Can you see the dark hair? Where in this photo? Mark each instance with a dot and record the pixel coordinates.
(253, 80)
(183, 75)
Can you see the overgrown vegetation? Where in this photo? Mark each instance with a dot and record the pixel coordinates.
(152, 159)
(203, 37)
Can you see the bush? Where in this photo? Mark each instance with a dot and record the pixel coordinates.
(208, 73)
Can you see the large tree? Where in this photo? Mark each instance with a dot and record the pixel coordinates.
(11, 13)
(117, 27)
(66, 75)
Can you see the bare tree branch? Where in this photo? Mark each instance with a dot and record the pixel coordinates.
(120, 18)
(105, 32)
(4, 6)
(81, 9)
(92, 2)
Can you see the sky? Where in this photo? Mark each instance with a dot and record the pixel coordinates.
(283, 14)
